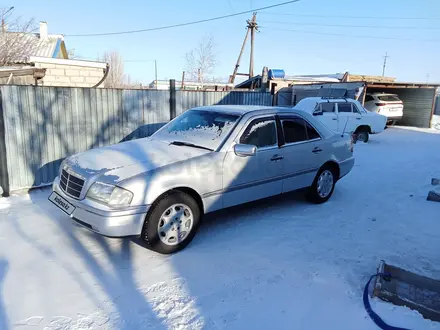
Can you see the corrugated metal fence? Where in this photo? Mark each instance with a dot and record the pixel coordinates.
(43, 125)
(435, 122)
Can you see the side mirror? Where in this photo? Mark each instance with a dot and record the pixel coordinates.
(245, 150)
(317, 113)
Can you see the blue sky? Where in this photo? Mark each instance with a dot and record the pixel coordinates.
(308, 50)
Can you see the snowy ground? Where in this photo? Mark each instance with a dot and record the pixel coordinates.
(277, 264)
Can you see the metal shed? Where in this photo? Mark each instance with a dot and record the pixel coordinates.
(419, 100)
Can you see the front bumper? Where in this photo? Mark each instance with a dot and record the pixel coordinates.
(103, 220)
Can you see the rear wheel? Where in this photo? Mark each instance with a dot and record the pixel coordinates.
(362, 134)
(171, 223)
(323, 185)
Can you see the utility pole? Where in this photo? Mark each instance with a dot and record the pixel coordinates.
(252, 26)
(384, 64)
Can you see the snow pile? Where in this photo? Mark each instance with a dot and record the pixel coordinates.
(281, 263)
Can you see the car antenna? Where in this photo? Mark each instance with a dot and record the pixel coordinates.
(342, 135)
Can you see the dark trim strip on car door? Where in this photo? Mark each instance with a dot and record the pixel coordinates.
(257, 183)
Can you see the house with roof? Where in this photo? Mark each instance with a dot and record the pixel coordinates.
(45, 62)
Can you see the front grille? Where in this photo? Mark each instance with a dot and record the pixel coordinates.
(71, 184)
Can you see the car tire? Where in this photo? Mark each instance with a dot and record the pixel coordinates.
(315, 193)
(162, 230)
(362, 135)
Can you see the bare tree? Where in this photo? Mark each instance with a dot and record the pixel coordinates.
(15, 44)
(116, 76)
(201, 61)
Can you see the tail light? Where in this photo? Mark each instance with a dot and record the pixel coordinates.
(381, 104)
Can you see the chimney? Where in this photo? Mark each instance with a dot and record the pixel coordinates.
(43, 31)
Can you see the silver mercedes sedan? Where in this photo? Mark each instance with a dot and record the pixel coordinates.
(206, 159)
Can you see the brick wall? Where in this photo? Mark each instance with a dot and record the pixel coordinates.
(70, 75)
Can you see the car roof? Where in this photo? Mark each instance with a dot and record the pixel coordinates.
(247, 109)
(381, 94)
(325, 99)
(256, 110)
(234, 109)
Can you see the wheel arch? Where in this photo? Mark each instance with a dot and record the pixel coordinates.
(187, 190)
(363, 128)
(332, 164)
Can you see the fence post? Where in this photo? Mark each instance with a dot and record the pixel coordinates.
(172, 99)
(274, 94)
(4, 175)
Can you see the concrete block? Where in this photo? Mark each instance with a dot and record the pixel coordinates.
(76, 79)
(96, 73)
(84, 73)
(62, 79)
(92, 80)
(70, 72)
(55, 72)
(433, 196)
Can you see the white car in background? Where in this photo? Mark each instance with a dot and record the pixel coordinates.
(344, 116)
(388, 105)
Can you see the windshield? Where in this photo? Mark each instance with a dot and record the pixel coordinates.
(389, 98)
(201, 127)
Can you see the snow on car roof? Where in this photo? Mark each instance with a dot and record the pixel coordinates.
(235, 109)
(242, 109)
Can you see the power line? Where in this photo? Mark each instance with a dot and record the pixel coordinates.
(182, 24)
(351, 35)
(346, 16)
(356, 26)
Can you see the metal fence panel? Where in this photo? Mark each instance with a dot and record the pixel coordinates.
(190, 99)
(43, 125)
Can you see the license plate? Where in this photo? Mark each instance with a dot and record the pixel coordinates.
(62, 203)
(394, 109)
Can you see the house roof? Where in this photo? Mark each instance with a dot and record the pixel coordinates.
(307, 78)
(50, 46)
(18, 71)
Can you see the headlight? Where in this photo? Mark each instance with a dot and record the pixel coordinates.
(120, 197)
(110, 194)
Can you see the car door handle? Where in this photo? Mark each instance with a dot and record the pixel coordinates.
(358, 118)
(334, 118)
(316, 150)
(276, 157)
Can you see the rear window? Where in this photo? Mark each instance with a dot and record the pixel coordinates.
(389, 98)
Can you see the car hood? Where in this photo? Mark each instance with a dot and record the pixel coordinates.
(115, 163)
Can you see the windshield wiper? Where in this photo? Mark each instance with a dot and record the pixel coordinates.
(186, 144)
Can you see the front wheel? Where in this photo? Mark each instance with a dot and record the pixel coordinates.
(323, 185)
(172, 223)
